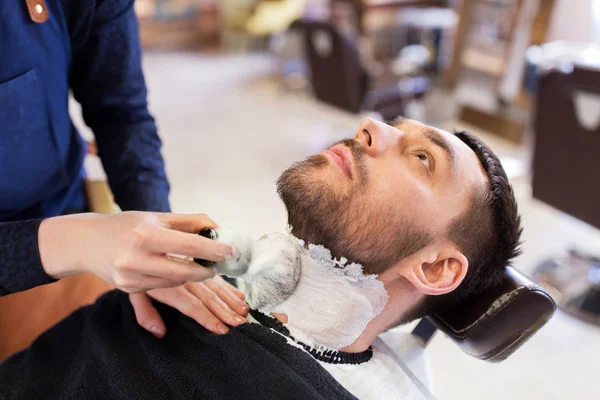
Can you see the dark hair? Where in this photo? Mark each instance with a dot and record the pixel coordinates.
(488, 234)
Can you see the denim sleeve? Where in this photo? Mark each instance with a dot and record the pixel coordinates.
(107, 80)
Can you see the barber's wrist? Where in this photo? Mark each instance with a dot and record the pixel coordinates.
(62, 244)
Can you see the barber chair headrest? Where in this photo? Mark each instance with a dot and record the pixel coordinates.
(496, 323)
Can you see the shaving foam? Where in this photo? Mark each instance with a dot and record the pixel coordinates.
(328, 303)
(333, 302)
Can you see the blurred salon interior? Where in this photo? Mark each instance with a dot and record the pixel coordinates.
(242, 89)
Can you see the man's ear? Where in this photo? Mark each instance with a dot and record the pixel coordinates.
(434, 270)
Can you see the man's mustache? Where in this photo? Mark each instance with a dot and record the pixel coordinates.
(358, 158)
(358, 151)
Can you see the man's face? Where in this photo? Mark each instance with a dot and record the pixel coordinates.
(382, 195)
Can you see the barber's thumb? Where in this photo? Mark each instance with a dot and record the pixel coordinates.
(146, 314)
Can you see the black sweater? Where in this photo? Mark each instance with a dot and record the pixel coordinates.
(20, 263)
(100, 352)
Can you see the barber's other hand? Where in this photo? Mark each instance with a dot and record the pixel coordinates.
(129, 250)
(212, 304)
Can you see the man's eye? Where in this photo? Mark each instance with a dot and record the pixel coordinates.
(424, 158)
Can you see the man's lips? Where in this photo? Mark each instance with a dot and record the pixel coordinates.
(342, 158)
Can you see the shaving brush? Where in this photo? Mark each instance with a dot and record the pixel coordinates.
(270, 267)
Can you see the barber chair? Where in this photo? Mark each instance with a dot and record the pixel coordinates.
(490, 326)
(566, 176)
(339, 77)
(493, 325)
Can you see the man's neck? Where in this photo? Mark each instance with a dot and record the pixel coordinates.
(333, 302)
(397, 305)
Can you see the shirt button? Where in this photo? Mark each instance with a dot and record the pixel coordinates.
(38, 8)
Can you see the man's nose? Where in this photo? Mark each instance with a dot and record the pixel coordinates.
(374, 136)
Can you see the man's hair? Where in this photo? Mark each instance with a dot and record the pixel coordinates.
(488, 234)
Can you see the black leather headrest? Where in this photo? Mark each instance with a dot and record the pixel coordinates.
(495, 324)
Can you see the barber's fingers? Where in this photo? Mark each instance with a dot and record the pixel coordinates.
(215, 304)
(146, 314)
(233, 297)
(238, 293)
(131, 279)
(167, 241)
(191, 223)
(188, 304)
(162, 267)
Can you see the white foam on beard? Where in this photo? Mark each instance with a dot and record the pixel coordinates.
(328, 304)
(333, 303)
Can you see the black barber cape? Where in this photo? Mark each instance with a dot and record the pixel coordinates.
(100, 352)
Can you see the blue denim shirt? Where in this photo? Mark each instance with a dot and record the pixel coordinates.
(92, 48)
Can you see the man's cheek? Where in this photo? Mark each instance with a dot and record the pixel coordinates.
(383, 189)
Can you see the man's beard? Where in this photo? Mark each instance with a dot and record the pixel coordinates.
(343, 220)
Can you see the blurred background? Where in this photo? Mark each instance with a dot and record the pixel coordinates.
(241, 89)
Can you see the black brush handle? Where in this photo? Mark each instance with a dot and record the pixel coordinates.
(209, 234)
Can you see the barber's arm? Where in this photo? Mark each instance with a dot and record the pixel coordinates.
(108, 81)
(131, 251)
(20, 264)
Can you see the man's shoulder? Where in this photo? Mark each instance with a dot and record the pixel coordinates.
(107, 350)
(249, 357)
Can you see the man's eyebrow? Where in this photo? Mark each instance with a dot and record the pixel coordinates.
(442, 143)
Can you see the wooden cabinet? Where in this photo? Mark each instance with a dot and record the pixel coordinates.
(178, 24)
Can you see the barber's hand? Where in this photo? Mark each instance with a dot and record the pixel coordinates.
(129, 250)
(212, 304)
